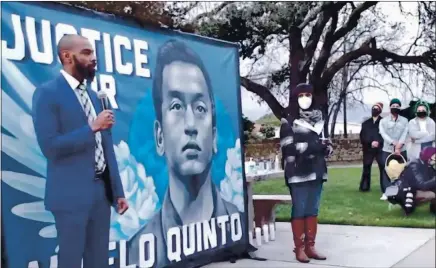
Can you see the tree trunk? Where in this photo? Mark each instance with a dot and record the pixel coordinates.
(345, 118)
(320, 97)
(344, 89)
(330, 113)
(335, 117)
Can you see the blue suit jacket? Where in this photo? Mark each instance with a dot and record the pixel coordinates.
(68, 143)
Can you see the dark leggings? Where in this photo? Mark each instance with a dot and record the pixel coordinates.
(306, 198)
(368, 158)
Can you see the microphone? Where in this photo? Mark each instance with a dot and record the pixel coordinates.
(102, 95)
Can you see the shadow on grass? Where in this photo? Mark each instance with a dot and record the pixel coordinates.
(343, 204)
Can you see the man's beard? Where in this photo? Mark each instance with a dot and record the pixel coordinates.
(87, 73)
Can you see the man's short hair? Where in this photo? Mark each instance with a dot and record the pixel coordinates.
(67, 42)
(168, 53)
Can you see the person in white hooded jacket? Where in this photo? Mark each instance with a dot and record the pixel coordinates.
(421, 130)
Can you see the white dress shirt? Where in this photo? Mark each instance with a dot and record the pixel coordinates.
(74, 84)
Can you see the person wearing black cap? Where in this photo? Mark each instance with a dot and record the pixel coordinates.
(304, 149)
(394, 130)
(372, 143)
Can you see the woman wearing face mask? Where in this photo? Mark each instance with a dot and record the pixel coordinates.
(421, 130)
(304, 149)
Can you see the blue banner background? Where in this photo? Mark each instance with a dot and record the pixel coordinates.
(28, 229)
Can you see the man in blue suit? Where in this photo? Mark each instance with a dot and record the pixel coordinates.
(83, 180)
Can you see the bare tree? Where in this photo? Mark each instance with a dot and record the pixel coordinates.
(288, 43)
(312, 33)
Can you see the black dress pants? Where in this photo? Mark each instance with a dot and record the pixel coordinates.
(368, 159)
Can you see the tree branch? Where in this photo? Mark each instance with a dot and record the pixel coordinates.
(389, 58)
(418, 36)
(211, 13)
(352, 20)
(265, 94)
(329, 41)
(357, 71)
(332, 108)
(344, 59)
(326, 49)
(312, 43)
(399, 78)
(312, 15)
(377, 55)
(295, 60)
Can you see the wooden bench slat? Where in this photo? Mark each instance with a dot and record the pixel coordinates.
(272, 197)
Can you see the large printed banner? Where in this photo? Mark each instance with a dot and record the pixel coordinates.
(149, 141)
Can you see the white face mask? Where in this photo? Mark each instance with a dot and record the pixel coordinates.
(304, 102)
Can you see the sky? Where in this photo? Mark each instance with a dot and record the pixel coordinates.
(253, 110)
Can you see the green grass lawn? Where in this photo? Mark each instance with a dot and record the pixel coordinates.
(342, 203)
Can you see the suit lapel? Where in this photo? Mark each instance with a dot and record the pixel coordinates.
(70, 98)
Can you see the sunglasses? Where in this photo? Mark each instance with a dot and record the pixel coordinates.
(304, 95)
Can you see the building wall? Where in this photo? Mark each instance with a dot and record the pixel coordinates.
(345, 150)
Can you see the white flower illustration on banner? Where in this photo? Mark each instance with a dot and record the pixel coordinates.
(232, 186)
(22, 146)
(139, 191)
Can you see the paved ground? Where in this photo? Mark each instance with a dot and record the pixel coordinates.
(424, 256)
(350, 247)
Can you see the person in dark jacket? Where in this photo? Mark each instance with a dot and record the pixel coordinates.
(304, 149)
(417, 183)
(372, 143)
(424, 174)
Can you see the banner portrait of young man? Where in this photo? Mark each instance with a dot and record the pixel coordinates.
(176, 138)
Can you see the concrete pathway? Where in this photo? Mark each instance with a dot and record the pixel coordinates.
(350, 247)
(422, 257)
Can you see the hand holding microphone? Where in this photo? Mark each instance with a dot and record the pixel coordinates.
(106, 118)
(102, 95)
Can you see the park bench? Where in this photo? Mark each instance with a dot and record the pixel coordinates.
(262, 210)
(264, 207)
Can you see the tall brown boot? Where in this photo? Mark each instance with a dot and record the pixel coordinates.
(311, 224)
(298, 232)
